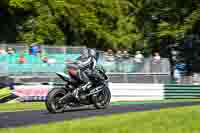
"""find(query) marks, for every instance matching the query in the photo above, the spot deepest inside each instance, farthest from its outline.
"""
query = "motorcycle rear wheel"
(52, 102)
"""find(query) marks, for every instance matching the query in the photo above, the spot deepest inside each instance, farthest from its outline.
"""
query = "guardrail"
(182, 91)
(119, 91)
(135, 92)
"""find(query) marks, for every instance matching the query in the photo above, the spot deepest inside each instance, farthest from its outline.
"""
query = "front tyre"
(52, 102)
(102, 99)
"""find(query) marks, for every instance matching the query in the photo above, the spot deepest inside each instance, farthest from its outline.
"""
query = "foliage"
(133, 24)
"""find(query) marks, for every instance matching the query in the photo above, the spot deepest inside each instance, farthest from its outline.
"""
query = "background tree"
(146, 25)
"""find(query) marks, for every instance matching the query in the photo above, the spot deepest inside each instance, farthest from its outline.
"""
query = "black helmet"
(92, 52)
(84, 52)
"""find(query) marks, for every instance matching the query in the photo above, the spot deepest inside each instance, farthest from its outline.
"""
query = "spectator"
(40, 49)
(119, 55)
(109, 55)
(125, 54)
(156, 66)
(10, 51)
(34, 49)
(42, 53)
(49, 60)
(138, 57)
(179, 72)
(177, 76)
(45, 59)
(156, 58)
(119, 59)
(22, 59)
(2, 51)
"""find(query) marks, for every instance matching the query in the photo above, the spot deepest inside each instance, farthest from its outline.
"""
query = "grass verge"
(40, 105)
(4, 93)
(156, 101)
(21, 106)
(176, 120)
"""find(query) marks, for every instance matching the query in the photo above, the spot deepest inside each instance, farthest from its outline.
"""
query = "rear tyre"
(102, 99)
(52, 102)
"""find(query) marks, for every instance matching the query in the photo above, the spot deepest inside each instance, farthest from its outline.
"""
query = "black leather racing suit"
(86, 65)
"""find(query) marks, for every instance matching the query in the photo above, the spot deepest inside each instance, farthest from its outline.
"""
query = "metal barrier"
(17, 47)
(127, 66)
(61, 50)
(47, 73)
(120, 69)
(136, 92)
(130, 66)
(20, 48)
(162, 78)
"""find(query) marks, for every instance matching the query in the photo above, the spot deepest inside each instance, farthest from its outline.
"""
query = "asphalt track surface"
(27, 118)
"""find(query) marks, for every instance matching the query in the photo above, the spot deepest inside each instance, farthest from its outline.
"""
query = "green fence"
(182, 91)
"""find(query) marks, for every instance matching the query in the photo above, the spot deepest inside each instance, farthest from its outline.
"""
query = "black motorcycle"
(71, 95)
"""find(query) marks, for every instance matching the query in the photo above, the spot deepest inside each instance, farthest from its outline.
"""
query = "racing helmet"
(84, 52)
(92, 52)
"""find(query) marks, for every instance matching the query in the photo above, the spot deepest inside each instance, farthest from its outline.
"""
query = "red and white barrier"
(119, 91)
(32, 92)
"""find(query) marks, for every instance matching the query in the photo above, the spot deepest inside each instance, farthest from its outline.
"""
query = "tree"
(132, 24)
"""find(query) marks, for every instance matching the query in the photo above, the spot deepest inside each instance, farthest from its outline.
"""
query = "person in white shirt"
(138, 57)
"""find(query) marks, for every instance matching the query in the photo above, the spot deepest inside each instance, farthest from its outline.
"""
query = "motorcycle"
(71, 95)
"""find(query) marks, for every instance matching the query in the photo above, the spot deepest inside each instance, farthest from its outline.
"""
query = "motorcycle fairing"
(63, 76)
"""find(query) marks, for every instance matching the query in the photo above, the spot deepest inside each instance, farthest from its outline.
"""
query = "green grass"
(176, 120)
(40, 105)
(4, 92)
(22, 106)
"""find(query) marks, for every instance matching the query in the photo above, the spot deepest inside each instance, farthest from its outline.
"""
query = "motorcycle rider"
(86, 64)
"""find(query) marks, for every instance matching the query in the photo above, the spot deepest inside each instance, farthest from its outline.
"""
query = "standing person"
(10, 51)
(125, 54)
(119, 59)
(179, 71)
(156, 58)
(125, 63)
(109, 55)
(22, 59)
(34, 49)
(3, 51)
(156, 63)
(109, 60)
(138, 57)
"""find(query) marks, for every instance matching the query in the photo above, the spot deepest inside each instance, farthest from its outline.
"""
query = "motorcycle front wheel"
(102, 99)
(52, 102)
